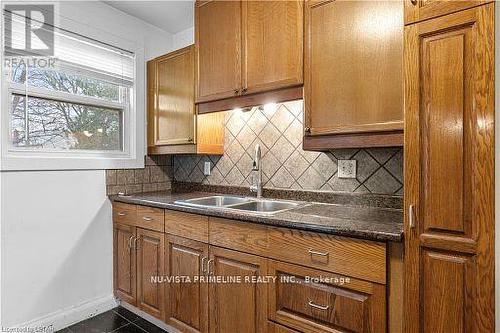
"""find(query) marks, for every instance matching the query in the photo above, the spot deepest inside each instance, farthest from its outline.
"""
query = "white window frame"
(133, 130)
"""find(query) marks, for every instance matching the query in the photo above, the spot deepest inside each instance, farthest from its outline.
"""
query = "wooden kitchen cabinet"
(272, 45)
(334, 304)
(218, 49)
(150, 247)
(449, 173)
(248, 47)
(419, 10)
(124, 263)
(187, 302)
(173, 125)
(174, 110)
(353, 77)
(237, 307)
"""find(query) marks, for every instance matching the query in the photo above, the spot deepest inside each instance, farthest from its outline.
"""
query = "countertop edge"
(265, 219)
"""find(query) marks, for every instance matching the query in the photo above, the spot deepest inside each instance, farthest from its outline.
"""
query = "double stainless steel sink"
(258, 206)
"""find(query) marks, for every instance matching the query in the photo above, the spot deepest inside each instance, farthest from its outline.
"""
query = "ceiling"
(171, 16)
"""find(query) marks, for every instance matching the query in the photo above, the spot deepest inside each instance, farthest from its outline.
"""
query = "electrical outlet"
(206, 169)
(346, 168)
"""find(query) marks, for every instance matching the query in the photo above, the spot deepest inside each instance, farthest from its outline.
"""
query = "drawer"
(332, 303)
(124, 213)
(187, 225)
(246, 237)
(150, 218)
(343, 255)
(276, 328)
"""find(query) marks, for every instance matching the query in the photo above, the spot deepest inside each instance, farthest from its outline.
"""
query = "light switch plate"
(206, 169)
(346, 168)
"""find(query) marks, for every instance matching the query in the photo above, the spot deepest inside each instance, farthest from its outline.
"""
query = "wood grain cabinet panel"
(419, 10)
(272, 45)
(124, 213)
(187, 301)
(353, 73)
(332, 304)
(124, 263)
(150, 218)
(218, 49)
(449, 173)
(237, 307)
(150, 247)
(173, 117)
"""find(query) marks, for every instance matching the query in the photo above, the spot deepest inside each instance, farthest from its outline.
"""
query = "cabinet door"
(174, 114)
(272, 44)
(124, 263)
(187, 300)
(218, 49)
(353, 67)
(449, 173)
(150, 272)
(237, 307)
(419, 10)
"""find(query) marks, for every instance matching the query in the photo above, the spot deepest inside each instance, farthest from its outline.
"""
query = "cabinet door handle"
(244, 90)
(411, 216)
(130, 243)
(136, 246)
(121, 214)
(203, 261)
(146, 218)
(323, 254)
(319, 307)
(236, 91)
(209, 271)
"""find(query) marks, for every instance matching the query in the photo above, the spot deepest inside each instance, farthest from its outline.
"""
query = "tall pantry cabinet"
(449, 166)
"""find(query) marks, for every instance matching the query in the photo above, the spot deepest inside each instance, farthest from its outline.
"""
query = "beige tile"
(110, 177)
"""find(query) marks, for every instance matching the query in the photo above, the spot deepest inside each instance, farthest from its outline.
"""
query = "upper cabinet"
(353, 81)
(272, 45)
(418, 10)
(247, 47)
(173, 125)
(173, 116)
(218, 41)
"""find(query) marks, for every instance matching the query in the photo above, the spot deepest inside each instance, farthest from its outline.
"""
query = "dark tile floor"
(117, 320)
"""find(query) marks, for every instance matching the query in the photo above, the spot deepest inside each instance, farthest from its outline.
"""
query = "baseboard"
(69, 316)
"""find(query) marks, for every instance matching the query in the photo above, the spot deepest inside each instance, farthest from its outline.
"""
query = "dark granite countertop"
(379, 224)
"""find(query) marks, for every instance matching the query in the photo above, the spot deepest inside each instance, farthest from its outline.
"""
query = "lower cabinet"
(138, 268)
(237, 306)
(124, 260)
(187, 300)
(150, 252)
(217, 284)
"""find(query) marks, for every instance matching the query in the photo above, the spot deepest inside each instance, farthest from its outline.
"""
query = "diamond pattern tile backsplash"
(278, 131)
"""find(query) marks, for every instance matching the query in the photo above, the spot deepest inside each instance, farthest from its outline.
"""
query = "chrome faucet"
(257, 167)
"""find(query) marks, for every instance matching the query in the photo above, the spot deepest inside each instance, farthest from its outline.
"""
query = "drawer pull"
(145, 218)
(324, 254)
(122, 214)
(319, 307)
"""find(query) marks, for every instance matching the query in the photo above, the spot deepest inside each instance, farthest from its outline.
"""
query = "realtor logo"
(29, 30)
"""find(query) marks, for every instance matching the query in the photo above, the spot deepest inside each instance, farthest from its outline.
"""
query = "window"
(77, 104)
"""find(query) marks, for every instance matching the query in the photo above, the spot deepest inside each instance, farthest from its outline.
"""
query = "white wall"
(183, 38)
(56, 232)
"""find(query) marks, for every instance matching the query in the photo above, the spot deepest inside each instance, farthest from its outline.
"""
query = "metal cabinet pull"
(121, 214)
(209, 271)
(319, 307)
(411, 216)
(130, 242)
(203, 269)
(244, 90)
(135, 242)
(236, 91)
(145, 218)
(312, 252)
